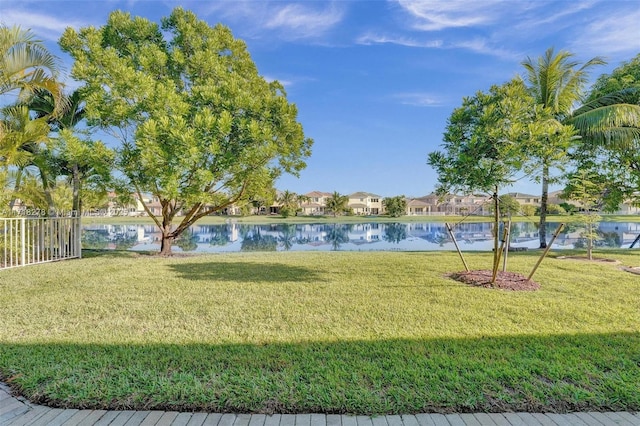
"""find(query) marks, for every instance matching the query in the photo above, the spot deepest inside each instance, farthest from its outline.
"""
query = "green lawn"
(320, 332)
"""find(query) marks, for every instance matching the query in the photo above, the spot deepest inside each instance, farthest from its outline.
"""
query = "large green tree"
(200, 128)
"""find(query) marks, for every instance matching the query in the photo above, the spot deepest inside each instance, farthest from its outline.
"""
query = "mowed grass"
(334, 332)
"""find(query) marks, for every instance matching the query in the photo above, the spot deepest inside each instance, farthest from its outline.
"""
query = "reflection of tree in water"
(438, 238)
(395, 232)
(255, 241)
(188, 241)
(287, 236)
(337, 234)
(125, 241)
(94, 240)
(219, 235)
(609, 239)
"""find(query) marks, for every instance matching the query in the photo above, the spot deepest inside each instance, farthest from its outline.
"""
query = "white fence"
(27, 241)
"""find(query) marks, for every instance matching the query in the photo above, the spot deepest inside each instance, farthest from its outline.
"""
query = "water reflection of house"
(626, 232)
(364, 233)
(313, 233)
(437, 232)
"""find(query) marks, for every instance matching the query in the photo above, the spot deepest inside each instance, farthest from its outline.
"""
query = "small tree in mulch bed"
(584, 188)
(483, 150)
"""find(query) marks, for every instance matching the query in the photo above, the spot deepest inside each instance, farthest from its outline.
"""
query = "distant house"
(628, 207)
(526, 199)
(316, 203)
(417, 207)
(452, 204)
(365, 203)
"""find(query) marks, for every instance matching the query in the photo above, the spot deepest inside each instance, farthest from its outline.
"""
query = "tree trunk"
(167, 238)
(77, 202)
(543, 206)
(76, 190)
(590, 240)
(165, 245)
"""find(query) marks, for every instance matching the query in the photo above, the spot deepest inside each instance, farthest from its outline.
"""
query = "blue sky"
(375, 81)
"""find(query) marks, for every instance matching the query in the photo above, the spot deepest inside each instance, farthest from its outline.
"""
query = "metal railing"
(27, 241)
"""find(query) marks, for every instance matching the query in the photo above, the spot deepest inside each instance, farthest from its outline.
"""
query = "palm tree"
(22, 145)
(556, 82)
(288, 203)
(610, 121)
(337, 203)
(74, 158)
(26, 65)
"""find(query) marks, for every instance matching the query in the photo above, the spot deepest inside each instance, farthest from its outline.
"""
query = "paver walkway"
(17, 411)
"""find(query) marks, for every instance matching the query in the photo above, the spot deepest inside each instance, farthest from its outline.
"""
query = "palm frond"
(615, 125)
(624, 96)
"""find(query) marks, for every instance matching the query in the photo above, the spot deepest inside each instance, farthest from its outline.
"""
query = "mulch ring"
(585, 258)
(504, 280)
(632, 269)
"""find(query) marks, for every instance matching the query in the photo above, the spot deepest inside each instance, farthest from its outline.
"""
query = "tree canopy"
(395, 206)
(200, 128)
(482, 149)
(483, 145)
(626, 76)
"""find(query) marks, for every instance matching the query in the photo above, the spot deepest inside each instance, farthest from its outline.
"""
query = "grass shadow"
(115, 254)
(245, 271)
(491, 374)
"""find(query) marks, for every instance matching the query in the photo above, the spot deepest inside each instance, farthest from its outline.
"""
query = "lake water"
(366, 236)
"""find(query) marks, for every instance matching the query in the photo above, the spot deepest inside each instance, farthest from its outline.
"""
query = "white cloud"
(290, 20)
(540, 16)
(481, 46)
(435, 15)
(369, 39)
(45, 26)
(612, 34)
(418, 99)
(285, 83)
(300, 21)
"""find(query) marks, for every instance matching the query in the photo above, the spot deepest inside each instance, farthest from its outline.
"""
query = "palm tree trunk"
(542, 231)
(16, 188)
(47, 192)
(76, 189)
